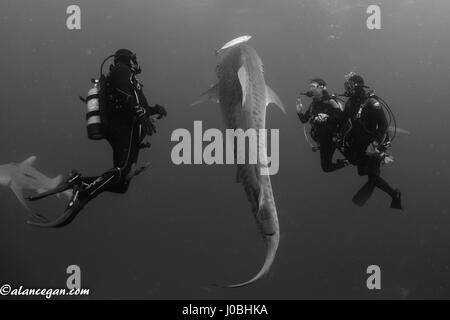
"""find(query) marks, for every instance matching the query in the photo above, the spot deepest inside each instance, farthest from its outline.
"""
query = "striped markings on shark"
(243, 96)
(20, 177)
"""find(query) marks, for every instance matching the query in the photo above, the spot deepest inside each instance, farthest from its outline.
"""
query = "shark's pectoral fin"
(393, 129)
(19, 194)
(211, 95)
(29, 162)
(272, 97)
(244, 81)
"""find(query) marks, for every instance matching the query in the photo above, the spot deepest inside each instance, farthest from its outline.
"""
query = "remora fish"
(243, 96)
(24, 176)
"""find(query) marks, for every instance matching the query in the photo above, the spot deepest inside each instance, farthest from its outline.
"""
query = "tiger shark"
(23, 176)
(243, 96)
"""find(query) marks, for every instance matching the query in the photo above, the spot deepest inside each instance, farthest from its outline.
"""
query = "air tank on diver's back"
(93, 117)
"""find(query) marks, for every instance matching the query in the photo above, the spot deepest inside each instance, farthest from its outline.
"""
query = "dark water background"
(179, 229)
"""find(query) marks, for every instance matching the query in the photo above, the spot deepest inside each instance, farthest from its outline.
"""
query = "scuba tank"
(98, 105)
(97, 109)
(93, 114)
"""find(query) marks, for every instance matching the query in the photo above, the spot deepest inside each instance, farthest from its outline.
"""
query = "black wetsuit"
(369, 124)
(125, 133)
(127, 122)
(325, 132)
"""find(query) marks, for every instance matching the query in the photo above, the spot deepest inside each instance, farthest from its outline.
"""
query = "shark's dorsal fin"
(212, 94)
(243, 79)
(272, 97)
(29, 162)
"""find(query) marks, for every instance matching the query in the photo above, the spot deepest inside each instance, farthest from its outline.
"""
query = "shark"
(243, 96)
(23, 176)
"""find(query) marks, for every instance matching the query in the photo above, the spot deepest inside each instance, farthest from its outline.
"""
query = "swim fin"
(363, 194)
(77, 203)
(71, 181)
(397, 200)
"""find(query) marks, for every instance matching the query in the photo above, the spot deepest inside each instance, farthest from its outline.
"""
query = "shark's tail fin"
(268, 224)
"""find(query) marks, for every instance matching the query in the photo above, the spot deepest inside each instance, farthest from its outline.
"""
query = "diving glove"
(372, 150)
(160, 111)
(343, 162)
(144, 120)
(321, 117)
(299, 105)
(386, 159)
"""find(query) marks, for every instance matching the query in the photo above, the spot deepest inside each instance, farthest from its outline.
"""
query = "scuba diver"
(368, 138)
(122, 116)
(325, 114)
